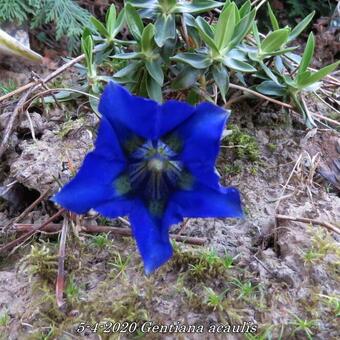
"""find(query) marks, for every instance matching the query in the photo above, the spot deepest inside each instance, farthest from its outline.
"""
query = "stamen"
(156, 164)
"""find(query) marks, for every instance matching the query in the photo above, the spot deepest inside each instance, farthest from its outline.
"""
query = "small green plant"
(198, 269)
(233, 169)
(271, 147)
(211, 256)
(7, 87)
(100, 241)
(119, 265)
(301, 325)
(72, 290)
(245, 289)
(4, 318)
(333, 302)
(265, 334)
(228, 261)
(214, 300)
(312, 256)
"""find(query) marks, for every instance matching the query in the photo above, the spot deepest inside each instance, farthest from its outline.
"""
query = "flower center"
(153, 170)
(156, 165)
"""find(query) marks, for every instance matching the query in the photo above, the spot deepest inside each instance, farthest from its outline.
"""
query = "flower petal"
(173, 113)
(152, 241)
(93, 183)
(201, 135)
(203, 201)
(92, 186)
(143, 117)
(107, 144)
(119, 206)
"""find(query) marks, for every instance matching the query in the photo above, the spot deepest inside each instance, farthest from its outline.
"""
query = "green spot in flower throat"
(122, 184)
(173, 142)
(132, 144)
(156, 207)
(186, 181)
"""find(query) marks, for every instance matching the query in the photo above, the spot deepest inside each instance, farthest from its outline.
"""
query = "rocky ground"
(276, 275)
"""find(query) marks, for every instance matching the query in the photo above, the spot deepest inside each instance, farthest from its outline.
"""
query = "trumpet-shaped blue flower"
(156, 164)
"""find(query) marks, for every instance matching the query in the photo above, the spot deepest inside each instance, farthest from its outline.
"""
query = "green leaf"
(155, 70)
(165, 28)
(245, 9)
(143, 4)
(197, 6)
(128, 70)
(279, 52)
(304, 81)
(272, 18)
(225, 26)
(147, 38)
(87, 47)
(130, 55)
(203, 26)
(300, 27)
(119, 22)
(99, 27)
(206, 33)
(221, 77)
(196, 60)
(226, 4)
(256, 35)
(134, 22)
(243, 28)
(308, 54)
(269, 73)
(154, 89)
(270, 88)
(186, 78)
(275, 40)
(94, 105)
(110, 20)
(238, 65)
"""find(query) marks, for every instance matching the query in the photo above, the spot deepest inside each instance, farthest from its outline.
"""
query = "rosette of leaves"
(289, 75)
(143, 72)
(163, 13)
(274, 44)
(107, 31)
(291, 80)
(220, 52)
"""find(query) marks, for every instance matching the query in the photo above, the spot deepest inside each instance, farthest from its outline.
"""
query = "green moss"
(271, 147)
(4, 318)
(233, 169)
(41, 262)
(7, 87)
(245, 145)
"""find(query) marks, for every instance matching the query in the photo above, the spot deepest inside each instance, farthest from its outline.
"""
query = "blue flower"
(156, 164)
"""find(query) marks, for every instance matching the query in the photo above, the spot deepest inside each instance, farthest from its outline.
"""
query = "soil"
(284, 276)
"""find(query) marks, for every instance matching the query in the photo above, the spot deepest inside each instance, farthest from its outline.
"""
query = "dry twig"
(7, 247)
(309, 221)
(60, 283)
(28, 209)
(105, 229)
